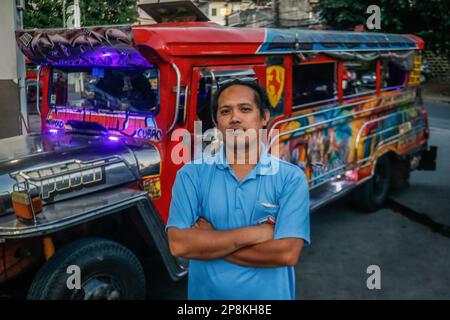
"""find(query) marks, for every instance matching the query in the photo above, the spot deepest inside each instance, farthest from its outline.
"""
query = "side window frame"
(335, 84)
(215, 75)
(363, 93)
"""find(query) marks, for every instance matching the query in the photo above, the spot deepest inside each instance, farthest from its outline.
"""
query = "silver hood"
(62, 166)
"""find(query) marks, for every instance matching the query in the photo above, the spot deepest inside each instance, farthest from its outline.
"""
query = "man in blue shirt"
(242, 224)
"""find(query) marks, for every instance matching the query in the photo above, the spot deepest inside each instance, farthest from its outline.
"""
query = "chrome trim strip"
(186, 95)
(371, 158)
(38, 78)
(358, 136)
(395, 139)
(326, 121)
(331, 171)
(393, 87)
(299, 106)
(335, 108)
(360, 94)
(177, 99)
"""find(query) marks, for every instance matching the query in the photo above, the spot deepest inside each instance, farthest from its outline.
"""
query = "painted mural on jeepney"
(327, 149)
(130, 125)
(275, 82)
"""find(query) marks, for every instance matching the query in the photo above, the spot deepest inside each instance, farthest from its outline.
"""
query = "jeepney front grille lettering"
(78, 176)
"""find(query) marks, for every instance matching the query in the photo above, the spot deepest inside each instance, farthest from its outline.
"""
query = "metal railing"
(304, 128)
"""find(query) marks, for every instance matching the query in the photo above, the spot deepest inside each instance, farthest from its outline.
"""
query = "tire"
(108, 270)
(371, 196)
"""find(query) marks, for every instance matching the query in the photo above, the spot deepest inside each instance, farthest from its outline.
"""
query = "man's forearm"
(270, 254)
(211, 244)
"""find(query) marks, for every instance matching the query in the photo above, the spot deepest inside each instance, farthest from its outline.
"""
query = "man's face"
(237, 112)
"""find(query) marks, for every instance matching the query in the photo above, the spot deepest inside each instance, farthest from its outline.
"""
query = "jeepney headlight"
(148, 161)
(26, 204)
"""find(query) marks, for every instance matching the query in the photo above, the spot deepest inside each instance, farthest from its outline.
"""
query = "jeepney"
(92, 190)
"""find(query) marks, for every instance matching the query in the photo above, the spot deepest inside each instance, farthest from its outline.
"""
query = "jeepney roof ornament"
(109, 46)
(304, 40)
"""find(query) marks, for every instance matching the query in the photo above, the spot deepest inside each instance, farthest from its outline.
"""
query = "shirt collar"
(263, 167)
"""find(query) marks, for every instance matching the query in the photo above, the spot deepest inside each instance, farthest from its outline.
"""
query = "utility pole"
(77, 15)
(64, 12)
(74, 16)
(276, 11)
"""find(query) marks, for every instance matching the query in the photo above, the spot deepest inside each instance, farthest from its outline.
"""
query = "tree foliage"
(49, 13)
(428, 19)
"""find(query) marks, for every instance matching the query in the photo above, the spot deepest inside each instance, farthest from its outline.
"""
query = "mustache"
(236, 127)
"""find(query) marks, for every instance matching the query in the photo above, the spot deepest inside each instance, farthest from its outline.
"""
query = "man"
(241, 223)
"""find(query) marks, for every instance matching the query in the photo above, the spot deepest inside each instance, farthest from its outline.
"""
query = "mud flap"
(428, 159)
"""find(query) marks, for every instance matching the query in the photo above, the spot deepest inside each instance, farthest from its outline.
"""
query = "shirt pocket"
(265, 211)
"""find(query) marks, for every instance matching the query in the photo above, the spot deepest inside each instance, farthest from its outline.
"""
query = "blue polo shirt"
(210, 189)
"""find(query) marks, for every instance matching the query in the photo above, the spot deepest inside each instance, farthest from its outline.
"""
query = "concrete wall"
(9, 92)
(439, 65)
(220, 7)
(144, 18)
(9, 109)
(295, 9)
(292, 13)
(7, 40)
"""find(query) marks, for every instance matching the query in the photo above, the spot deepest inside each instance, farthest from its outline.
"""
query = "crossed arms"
(252, 246)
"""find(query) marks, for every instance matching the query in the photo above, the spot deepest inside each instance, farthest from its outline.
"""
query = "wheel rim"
(99, 287)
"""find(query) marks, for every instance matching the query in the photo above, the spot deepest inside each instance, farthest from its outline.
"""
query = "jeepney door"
(207, 84)
(204, 86)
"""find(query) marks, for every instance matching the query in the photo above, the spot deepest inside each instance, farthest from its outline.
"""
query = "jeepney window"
(359, 77)
(393, 74)
(110, 89)
(313, 83)
(204, 99)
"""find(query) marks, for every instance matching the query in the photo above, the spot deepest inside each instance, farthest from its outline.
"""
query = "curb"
(437, 99)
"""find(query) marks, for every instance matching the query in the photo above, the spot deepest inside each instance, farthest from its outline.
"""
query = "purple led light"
(113, 138)
(53, 131)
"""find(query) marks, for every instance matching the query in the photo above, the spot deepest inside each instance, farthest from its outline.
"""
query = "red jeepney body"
(338, 138)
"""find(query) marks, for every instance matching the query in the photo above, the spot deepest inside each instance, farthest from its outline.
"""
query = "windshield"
(106, 89)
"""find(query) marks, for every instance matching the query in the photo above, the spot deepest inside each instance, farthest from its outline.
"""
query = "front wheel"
(372, 194)
(107, 271)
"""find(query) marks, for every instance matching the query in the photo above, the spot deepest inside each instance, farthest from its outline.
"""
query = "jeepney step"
(330, 191)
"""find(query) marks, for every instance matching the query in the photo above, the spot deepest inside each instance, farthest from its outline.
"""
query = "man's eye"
(246, 109)
(224, 111)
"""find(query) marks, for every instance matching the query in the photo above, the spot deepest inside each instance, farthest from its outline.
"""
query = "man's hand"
(203, 224)
(266, 230)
